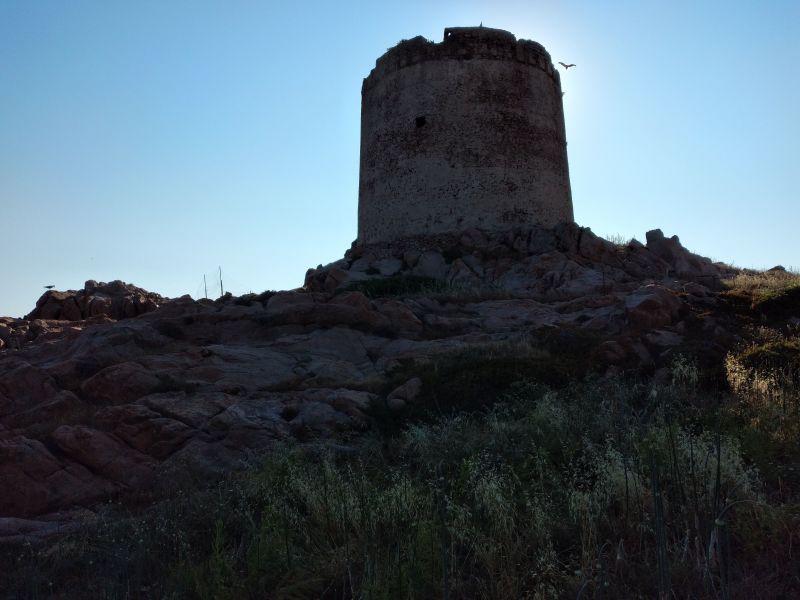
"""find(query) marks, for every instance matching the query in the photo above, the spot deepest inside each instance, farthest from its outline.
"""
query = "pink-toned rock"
(388, 267)
(356, 300)
(696, 289)
(473, 239)
(42, 416)
(323, 411)
(610, 352)
(625, 352)
(334, 279)
(104, 455)
(352, 309)
(461, 274)
(41, 330)
(663, 339)
(595, 248)
(193, 410)
(407, 393)
(49, 310)
(645, 359)
(98, 305)
(116, 299)
(431, 264)
(411, 258)
(70, 310)
(441, 325)
(23, 386)
(282, 300)
(652, 306)
(360, 264)
(144, 429)
(121, 383)
(33, 481)
(128, 308)
(403, 320)
(512, 314)
(682, 262)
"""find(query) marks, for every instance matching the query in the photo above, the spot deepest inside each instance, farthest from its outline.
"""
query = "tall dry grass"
(761, 285)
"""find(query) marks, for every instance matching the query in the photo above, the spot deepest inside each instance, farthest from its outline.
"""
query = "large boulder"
(34, 481)
(117, 300)
(682, 263)
(652, 306)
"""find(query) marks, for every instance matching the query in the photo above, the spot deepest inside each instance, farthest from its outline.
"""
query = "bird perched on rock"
(566, 66)
(49, 287)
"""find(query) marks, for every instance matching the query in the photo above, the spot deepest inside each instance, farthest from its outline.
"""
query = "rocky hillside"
(111, 391)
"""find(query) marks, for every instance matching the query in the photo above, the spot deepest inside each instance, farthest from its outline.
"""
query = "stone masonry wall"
(464, 133)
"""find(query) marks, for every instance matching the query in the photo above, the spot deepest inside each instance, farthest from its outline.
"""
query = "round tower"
(465, 133)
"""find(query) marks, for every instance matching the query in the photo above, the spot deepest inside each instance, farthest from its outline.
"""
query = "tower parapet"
(463, 43)
(468, 132)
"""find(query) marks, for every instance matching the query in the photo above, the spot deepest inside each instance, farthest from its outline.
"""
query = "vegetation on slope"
(773, 294)
(600, 488)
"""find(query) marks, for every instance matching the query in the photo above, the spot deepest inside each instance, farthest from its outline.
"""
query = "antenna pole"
(205, 285)
(221, 290)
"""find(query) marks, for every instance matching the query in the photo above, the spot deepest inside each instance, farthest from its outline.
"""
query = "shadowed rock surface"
(153, 393)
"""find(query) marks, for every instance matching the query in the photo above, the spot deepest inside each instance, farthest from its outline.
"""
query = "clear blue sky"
(152, 141)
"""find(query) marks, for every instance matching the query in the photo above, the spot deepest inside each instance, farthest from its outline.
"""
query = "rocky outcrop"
(682, 263)
(547, 264)
(116, 300)
(66, 314)
(106, 405)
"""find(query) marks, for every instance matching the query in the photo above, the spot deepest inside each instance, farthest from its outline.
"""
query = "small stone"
(388, 266)
(431, 264)
(409, 391)
(396, 404)
(663, 339)
(410, 258)
(362, 264)
(473, 239)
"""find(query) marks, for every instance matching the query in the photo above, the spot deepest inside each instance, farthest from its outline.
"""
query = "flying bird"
(49, 287)
(566, 66)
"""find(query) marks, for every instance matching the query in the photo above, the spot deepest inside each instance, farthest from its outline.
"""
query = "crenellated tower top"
(463, 43)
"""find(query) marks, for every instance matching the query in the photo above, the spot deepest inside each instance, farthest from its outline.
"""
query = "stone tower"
(465, 133)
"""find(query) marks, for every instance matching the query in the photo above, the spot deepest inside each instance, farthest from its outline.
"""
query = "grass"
(764, 375)
(475, 378)
(619, 240)
(763, 283)
(613, 489)
(774, 294)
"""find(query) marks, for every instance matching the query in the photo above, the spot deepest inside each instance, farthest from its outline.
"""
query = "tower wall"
(465, 133)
